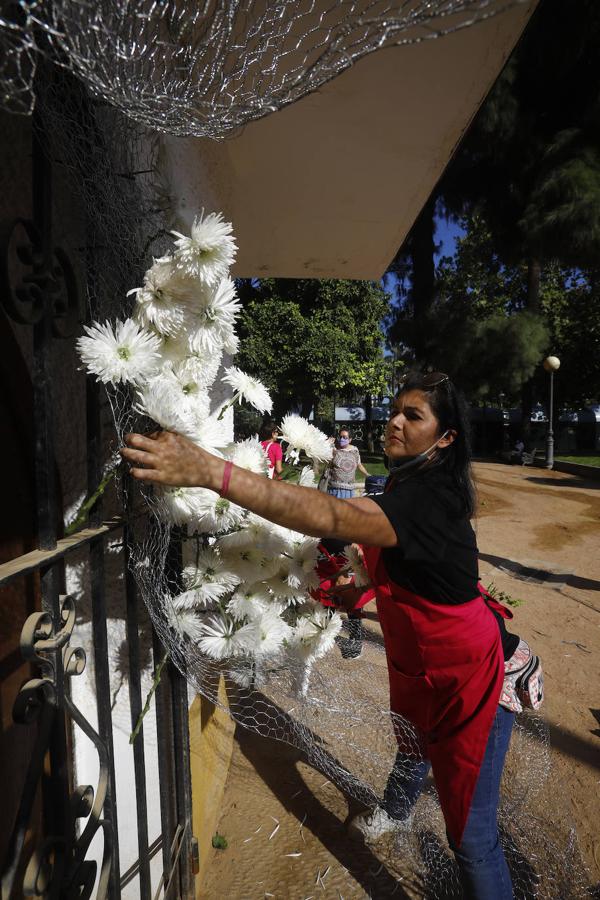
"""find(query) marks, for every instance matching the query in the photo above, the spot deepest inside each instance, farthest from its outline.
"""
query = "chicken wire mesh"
(207, 68)
(335, 710)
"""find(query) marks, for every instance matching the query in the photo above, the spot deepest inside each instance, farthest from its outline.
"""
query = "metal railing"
(45, 298)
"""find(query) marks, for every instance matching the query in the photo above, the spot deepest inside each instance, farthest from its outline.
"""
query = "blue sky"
(446, 234)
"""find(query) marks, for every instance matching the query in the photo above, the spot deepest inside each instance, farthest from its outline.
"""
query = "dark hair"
(450, 409)
(266, 431)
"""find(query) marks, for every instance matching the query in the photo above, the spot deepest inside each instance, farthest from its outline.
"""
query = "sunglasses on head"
(430, 380)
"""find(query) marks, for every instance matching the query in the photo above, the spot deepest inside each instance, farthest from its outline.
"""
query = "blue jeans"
(342, 493)
(483, 871)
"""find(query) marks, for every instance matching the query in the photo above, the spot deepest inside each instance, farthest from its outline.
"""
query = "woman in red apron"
(445, 643)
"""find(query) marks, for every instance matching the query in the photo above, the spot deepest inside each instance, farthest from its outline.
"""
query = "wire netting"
(335, 710)
(207, 68)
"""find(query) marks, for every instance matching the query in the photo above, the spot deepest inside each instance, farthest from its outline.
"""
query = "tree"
(309, 339)
(529, 166)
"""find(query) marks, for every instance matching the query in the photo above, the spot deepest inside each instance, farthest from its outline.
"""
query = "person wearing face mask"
(342, 468)
(445, 640)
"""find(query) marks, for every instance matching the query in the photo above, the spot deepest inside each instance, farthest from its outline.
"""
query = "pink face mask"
(343, 442)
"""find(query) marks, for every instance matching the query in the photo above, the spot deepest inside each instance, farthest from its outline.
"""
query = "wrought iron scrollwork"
(58, 867)
(32, 281)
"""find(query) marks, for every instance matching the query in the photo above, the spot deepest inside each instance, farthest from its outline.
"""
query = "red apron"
(327, 569)
(446, 669)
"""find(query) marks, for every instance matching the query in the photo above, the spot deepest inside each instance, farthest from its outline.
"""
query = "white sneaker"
(374, 823)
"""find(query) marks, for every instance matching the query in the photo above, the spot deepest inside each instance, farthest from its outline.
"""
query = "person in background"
(269, 439)
(342, 468)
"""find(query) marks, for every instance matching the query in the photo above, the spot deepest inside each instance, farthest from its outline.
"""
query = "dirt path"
(538, 534)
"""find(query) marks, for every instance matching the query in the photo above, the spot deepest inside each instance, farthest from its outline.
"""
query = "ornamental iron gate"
(39, 290)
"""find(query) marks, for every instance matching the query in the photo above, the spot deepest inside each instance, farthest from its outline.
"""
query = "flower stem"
(226, 406)
(90, 500)
(151, 692)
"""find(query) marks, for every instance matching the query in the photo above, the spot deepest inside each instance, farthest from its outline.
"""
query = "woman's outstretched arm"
(170, 459)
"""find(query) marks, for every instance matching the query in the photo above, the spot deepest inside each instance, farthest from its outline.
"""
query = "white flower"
(198, 371)
(303, 562)
(167, 297)
(257, 533)
(184, 621)
(126, 353)
(177, 504)
(214, 322)
(222, 637)
(307, 477)
(315, 633)
(249, 601)
(355, 557)
(213, 514)
(165, 400)
(248, 388)
(286, 593)
(269, 631)
(301, 435)
(209, 251)
(251, 564)
(248, 455)
(207, 581)
(211, 434)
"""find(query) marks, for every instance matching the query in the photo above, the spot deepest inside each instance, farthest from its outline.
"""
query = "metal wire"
(207, 68)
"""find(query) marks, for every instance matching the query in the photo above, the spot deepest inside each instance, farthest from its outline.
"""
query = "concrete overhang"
(330, 186)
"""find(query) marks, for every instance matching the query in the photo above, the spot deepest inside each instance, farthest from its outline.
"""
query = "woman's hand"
(167, 458)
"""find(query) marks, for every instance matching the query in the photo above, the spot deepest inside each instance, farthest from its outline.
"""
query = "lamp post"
(551, 365)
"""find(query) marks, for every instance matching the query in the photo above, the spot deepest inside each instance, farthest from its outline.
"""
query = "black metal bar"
(166, 760)
(100, 636)
(103, 700)
(135, 702)
(56, 784)
(183, 779)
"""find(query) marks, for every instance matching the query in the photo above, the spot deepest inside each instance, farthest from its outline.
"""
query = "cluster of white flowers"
(246, 595)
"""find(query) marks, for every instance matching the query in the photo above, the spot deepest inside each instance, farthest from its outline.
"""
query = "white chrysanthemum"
(215, 514)
(125, 353)
(303, 562)
(301, 435)
(251, 564)
(314, 634)
(248, 455)
(283, 591)
(198, 371)
(164, 399)
(210, 249)
(167, 297)
(173, 350)
(207, 581)
(269, 633)
(211, 434)
(248, 388)
(214, 322)
(249, 601)
(177, 505)
(184, 621)
(307, 477)
(355, 557)
(222, 637)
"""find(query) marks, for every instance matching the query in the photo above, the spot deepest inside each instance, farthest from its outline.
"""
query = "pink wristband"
(226, 478)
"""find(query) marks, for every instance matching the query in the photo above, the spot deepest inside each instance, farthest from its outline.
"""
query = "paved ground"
(538, 534)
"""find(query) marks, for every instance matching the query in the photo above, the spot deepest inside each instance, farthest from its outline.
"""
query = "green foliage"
(308, 339)
(502, 596)
(219, 842)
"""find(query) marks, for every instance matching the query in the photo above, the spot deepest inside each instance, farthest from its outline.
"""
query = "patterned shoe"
(351, 647)
(513, 669)
(374, 823)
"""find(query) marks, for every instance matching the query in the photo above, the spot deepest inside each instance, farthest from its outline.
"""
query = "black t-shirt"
(436, 556)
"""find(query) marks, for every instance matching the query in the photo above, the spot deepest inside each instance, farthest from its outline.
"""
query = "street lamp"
(551, 365)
